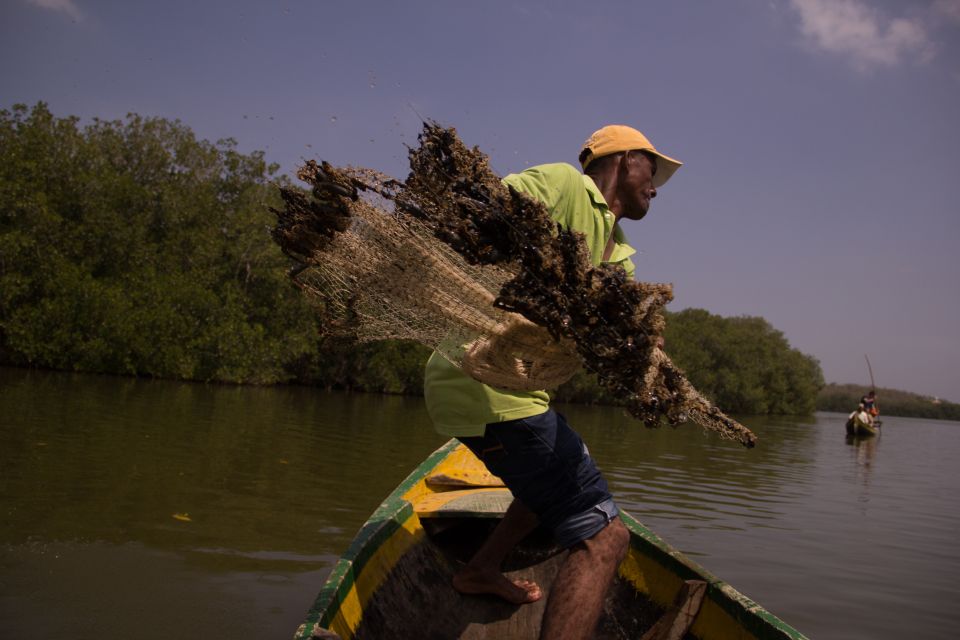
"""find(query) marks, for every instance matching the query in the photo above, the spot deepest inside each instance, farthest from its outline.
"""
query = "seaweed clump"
(510, 263)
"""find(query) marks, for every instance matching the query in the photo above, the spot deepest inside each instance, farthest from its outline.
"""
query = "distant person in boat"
(862, 415)
(869, 403)
(519, 437)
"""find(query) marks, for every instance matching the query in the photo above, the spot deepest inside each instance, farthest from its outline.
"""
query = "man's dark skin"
(626, 181)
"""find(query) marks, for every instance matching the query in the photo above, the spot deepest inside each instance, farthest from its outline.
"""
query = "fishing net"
(456, 260)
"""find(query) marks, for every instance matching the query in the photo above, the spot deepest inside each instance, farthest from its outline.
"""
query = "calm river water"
(146, 509)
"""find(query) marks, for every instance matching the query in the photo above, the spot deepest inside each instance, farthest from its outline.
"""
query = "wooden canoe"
(394, 581)
(857, 427)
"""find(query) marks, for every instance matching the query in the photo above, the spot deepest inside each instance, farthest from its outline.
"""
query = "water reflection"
(272, 483)
(695, 478)
(276, 481)
(863, 451)
(112, 459)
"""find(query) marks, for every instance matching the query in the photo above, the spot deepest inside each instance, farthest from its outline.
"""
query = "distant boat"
(859, 427)
(394, 581)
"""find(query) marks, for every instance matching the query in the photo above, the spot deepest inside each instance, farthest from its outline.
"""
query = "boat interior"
(419, 596)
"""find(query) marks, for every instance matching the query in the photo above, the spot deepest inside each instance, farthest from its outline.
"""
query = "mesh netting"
(456, 260)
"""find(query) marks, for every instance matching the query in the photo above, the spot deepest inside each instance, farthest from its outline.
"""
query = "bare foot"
(473, 581)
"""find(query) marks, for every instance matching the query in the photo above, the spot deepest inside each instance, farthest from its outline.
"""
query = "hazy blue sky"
(820, 137)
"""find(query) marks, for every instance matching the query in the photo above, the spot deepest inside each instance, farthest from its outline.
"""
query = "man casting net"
(457, 260)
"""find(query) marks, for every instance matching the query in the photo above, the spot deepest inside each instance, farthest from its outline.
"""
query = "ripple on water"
(842, 540)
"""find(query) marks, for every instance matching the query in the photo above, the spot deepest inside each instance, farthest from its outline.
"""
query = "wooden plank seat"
(484, 502)
(464, 478)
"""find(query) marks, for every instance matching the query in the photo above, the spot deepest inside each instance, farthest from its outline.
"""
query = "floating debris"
(453, 258)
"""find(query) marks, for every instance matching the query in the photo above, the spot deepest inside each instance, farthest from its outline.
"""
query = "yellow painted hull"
(858, 428)
(394, 580)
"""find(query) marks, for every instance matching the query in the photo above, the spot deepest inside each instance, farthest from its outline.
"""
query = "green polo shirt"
(458, 404)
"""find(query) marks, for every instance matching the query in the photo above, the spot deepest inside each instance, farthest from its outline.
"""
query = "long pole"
(873, 387)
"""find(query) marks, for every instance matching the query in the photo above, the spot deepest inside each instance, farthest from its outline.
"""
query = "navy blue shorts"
(547, 467)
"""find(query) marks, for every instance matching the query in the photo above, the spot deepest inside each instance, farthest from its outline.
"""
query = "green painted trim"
(371, 537)
(386, 520)
(394, 511)
(751, 615)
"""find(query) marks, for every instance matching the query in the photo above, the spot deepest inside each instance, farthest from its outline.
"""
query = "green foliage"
(743, 363)
(391, 366)
(132, 247)
(844, 398)
(582, 388)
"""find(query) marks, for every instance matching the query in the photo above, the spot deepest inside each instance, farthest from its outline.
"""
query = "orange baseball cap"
(614, 138)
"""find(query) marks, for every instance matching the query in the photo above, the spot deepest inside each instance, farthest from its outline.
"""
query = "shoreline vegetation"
(131, 247)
